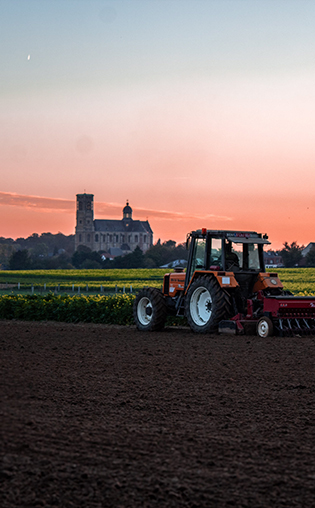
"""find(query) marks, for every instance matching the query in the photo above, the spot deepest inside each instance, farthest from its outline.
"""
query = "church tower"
(127, 213)
(85, 217)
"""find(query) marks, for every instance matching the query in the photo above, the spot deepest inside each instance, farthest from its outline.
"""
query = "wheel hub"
(201, 306)
(264, 327)
(144, 311)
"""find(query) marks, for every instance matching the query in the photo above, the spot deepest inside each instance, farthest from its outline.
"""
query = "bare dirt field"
(100, 416)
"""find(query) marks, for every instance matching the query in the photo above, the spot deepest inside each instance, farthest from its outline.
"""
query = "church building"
(106, 235)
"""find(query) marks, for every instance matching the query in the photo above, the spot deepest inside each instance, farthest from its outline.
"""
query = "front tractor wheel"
(264, 327)
(149, 310)
(206, 304)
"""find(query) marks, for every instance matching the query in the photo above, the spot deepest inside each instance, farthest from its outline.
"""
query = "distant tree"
(20, 243)
(149, 263)
(291, 254)
(136, 258)
(163, 254)
(64, 262)
(310, 257)
(81, 257)
(40, 249)
(169, 244)
(133, 260)
(6, 251)
(34, 237)
(90, 264)
(20, 260)
(6, 240)
(181, 251)
(160, 253)
(61, 262)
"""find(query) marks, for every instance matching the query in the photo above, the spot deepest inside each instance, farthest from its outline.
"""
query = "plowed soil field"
(100, 416)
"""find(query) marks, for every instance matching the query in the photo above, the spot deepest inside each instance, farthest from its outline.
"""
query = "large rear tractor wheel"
(206, 304)
(149, 310)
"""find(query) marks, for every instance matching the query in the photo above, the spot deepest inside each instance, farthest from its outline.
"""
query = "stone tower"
(85, 216)
(127, 214)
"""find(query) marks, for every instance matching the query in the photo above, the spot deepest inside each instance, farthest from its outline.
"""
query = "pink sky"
(237, 158)
(201, 116)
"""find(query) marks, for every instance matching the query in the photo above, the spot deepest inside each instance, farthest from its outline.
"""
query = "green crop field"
(58, 305)
(108, 279)
(301, 281)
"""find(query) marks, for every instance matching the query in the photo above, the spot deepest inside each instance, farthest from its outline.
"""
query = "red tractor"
(225, 288)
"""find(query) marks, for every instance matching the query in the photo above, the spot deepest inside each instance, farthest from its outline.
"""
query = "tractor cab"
(226, 251)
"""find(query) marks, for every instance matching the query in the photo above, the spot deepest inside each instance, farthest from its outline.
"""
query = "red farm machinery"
(225, 288)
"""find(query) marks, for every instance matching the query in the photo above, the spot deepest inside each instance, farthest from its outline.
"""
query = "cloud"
(36, 202)
(102, 210)
(167, 215)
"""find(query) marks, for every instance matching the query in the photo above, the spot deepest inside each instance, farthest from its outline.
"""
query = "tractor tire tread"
(159, 309)
(220, 300)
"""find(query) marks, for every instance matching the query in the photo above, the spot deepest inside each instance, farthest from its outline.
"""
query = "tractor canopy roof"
(232, 236)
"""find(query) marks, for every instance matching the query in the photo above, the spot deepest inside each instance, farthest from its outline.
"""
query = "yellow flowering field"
(300, 281)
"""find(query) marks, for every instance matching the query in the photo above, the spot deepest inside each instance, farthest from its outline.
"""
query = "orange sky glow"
(54, 215)
(214, 129)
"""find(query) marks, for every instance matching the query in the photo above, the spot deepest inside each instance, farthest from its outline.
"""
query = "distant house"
(176, 263)
(116, 237)
(107, 255)
(308, 248)
(273, 259)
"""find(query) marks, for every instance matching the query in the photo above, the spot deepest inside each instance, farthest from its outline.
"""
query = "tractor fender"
(267, 281)
(226, 280)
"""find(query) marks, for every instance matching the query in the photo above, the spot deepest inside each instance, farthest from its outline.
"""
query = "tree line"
(56, 251)
(292, 255)
(49, 251)
(46, 251)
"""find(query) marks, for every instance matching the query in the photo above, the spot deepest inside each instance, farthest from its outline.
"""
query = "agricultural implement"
(226, 289)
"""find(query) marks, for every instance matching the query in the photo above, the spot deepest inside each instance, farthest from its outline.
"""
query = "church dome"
(127, 211)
